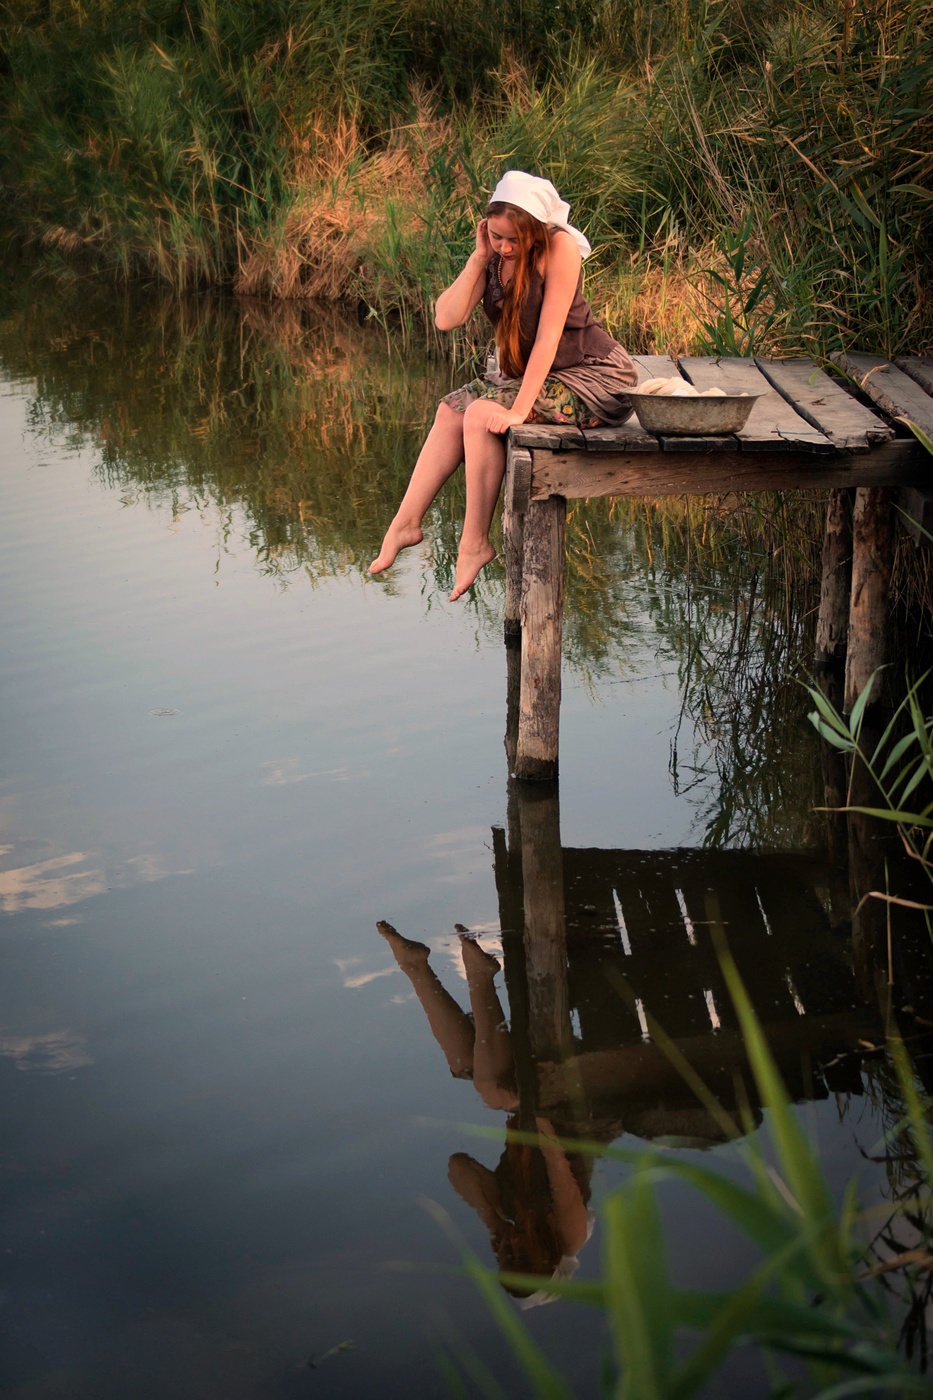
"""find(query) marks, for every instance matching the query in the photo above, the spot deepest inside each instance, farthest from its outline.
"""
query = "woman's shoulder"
(563, 253)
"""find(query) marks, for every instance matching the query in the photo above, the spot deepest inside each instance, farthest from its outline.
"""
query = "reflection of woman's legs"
(449, 1024)
(438, 459)
(484, 458)
(493, 1070)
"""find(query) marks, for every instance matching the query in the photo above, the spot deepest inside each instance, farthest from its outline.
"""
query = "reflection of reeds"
(298, 427)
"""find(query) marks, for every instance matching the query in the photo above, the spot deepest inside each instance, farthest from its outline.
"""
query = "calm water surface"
(226, 1096)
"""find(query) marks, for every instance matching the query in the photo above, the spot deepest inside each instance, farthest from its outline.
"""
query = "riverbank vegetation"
(775, 155)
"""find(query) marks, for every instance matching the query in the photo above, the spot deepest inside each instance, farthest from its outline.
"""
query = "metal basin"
(662, 414)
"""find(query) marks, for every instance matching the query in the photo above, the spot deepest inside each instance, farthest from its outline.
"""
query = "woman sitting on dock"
(553, 363)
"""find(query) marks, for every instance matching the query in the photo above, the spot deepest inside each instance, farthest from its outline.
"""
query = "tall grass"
(306, 149)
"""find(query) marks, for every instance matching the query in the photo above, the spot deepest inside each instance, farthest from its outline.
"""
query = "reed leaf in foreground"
(809, 1306)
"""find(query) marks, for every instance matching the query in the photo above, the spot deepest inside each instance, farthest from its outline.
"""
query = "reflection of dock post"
(866, 840)
(545, 923)
(835, 778)
(542, 618)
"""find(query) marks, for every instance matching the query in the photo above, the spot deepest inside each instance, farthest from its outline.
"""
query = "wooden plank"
(848, 424)
(555, 437)
(552, 435)
(916, 514)
(872, 558)
(680, 443)
(574, 475)
(920, 369)
(542, 631)
(832, 625)
(889, 387)
(772, 425)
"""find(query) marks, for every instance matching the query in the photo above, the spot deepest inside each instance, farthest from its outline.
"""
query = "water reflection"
(612, 978)
(291, 431)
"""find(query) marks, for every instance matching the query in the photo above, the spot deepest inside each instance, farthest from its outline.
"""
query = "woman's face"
(502, 236)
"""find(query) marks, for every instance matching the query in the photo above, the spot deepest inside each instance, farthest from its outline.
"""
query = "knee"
(477, 414)
(447, 417)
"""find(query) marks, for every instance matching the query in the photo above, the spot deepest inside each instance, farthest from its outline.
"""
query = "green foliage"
(815, 1310)
(900, 763)
(792, 139)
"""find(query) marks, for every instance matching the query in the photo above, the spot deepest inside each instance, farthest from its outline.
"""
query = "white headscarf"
(538, 197)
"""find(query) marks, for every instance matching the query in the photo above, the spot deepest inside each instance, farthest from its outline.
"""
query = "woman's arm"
(455, 306)
(560, 285)
(570, 1215)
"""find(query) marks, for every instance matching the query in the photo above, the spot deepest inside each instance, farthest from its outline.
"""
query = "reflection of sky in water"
(213, 787)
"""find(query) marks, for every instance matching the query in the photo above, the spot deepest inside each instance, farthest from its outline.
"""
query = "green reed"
(835, 1297)
(305, 149)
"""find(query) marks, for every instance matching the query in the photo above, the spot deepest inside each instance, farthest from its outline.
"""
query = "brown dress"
(587, 360)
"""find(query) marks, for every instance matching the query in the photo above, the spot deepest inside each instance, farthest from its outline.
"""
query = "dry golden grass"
(322, 248)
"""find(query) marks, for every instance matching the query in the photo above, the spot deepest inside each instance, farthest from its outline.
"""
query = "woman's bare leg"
(437, 461)
(449, 1024)
(484, 458)
(493, 1068)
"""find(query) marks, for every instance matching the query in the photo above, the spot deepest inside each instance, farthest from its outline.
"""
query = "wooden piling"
(872, 559)
(833, 622)
(542, 614)
(515, 504)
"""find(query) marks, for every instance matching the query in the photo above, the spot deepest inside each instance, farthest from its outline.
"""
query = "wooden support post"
(542, 618)
(515, 504)
(833, 623)
(872, 558)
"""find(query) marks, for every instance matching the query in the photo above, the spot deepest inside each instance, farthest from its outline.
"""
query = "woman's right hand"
(483, 245)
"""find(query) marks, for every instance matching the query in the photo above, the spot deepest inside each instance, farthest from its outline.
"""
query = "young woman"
(555, 364)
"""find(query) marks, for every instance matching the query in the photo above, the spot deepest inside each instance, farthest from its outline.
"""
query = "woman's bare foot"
(474, 953)
(398, 537)
(469, 564)
(407, 951)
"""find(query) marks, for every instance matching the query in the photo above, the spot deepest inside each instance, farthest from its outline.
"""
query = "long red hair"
(531, 239)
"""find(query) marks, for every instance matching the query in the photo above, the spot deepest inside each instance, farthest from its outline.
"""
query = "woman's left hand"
(501, 419)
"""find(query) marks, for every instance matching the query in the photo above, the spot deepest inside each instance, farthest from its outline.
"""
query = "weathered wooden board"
(772, 425)
(655, 367)
(848, 424)
(889, 387)
(920, 369)
(577, 474)
(630, 435)
(680, 443)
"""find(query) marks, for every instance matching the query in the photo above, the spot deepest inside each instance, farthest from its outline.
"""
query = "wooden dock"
(805, 432)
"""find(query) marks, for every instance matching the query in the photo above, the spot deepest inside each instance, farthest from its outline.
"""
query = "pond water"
(239, 775)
